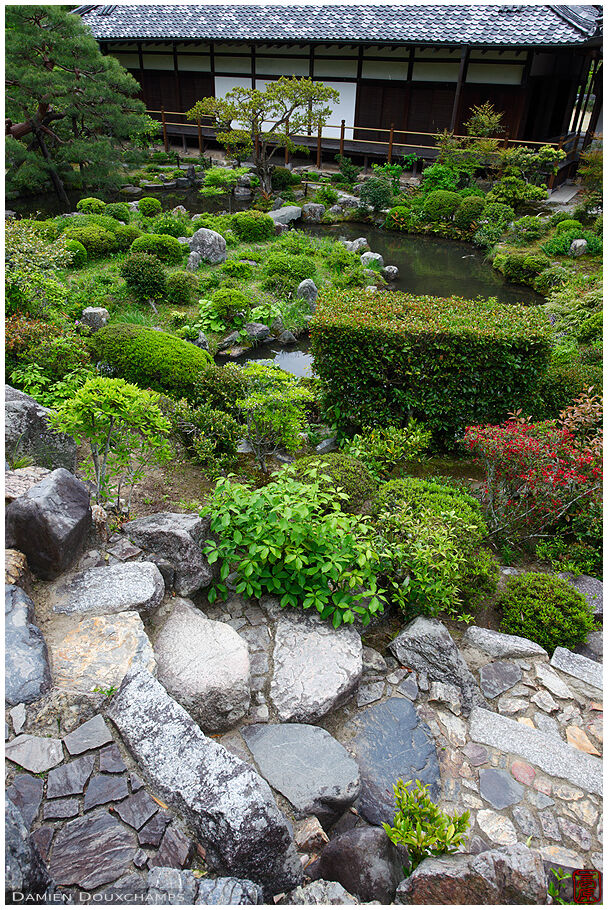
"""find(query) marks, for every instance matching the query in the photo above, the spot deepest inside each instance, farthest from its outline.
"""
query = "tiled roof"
(468, 24)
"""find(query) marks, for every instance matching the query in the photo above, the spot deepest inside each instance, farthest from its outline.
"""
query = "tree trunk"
(55, 178)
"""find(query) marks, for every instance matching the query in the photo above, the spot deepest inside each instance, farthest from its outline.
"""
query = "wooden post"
(164, 122)
(552, 177)
(342, 129)
(200, 138)
(506, 140)
(287, 147)
(391, 136)
(319, 136)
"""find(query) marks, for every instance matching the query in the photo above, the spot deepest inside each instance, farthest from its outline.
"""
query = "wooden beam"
(462, 75)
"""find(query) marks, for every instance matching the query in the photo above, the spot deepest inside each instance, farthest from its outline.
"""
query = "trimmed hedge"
(440, 205)
(91, 205)
(96, 240)
(252, 226)
(469, 212)
(151, 359)
(163, 246)
(78, 251)
(447, 362)
(149, 206)
(119, 210)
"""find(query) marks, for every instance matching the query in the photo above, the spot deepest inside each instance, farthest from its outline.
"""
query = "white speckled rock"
(316, 667)
(497, 644)
(111, 589)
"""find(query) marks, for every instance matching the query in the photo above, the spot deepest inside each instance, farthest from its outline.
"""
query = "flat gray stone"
(27, 674)
(498, 677)
(409, 687)
(578, 666)
(307, 766)
(558, 759)
(171, 886)
(92, 851)
(152, 832)
(498, 788)
(60, 808)
(230, 808)
(319, 892)
(497, 644)
(137, 809)
(316, 667)
(34, 753)
(231, 891)
(525, 821)
(110, 760)
(369, 693)
(90, 735)
(389, 741)
(286, 214)
(70, 779)
(105, 788)
(25, 872)
(122, 587)
(26, 793)
(173, 851)
(18, 716)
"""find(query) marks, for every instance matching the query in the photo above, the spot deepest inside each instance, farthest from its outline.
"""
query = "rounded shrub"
(229, 301)
(498, 213)
(150, 359)
(252, 226)
(118, 210)
(144, 275)
(569, 224)
(163, 246)
(591, 329)
(326, 195)
(90, 205)
(96, 240)
(78, 251)
(282, 178)
(561, 384)
(521, 268)
(440, 205)
(528, 229)
(377, 192)
(174, 225)
(468, 212)
(336, 470)
(125, 235)
(180, 287)
(545, 609)
(148, 206)
(236, 269)
(219, 387)
(284, 271)
(398, 219)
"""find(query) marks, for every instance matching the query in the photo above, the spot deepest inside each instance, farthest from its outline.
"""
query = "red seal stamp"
(587, 886)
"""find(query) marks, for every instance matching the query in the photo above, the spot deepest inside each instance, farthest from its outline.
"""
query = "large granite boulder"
(229, 807)
(498, 644)
(507, 875)
(26, 667)
(21, 480)
(313, 212)
(307, 766)
(316, 667)
(204, 665)
(365, 862)
(179, 539)
(426, 645)
(286, 214)
(308, 291)
(208, 245)
(27, 432)
(26, 877)
(111, 589)
(95, 317)
(368, 258)
(50, 523)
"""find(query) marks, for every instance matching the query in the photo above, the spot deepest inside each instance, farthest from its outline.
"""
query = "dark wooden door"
(508, 99)
(378, 105)
(430, 110)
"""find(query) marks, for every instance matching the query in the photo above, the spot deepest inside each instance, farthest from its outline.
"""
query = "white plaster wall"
(158, 62)
(344, 110)
(224, 84)
(190, 63)
(494, 74)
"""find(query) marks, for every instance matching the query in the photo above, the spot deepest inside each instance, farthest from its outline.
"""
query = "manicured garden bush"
(398, 219)
(559, 244)
(125, 235)
(326, 196)
(150, 359)
(90, 205)
(78, 251)
(220, 387)
(469, 212)
(163, 246)
(568, 224)
(377, 192)
(96, 241)
(144, 275)
(591, 329)
(236, 269)
(528, 229)
(118, 210)
(180, 287)
(386, 358)
(229, 301)
(149, 207)
(440, 205)
(173, 225)
(439, 177)
(545, 609)
(498, 213)
(334, 471)
(284, 271)
(563, 382)
(252, 226)
(521, 268)
(282, 178)
(211, 436)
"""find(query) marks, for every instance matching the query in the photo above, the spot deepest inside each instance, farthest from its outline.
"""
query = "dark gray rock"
(60, 808)
(526, 822)
(287, 338)
(34, 753)
(319, 892)
(137, 809)
(90, 735)
(105, 788)
(131, 888)
(230, 891)
(229, 807)
(70, 779)
(27, 674)
(50, 523)
(27, 432)
(208, 245)
(111, 589)
(313, 212)
(173, 851)
(92, 851)
(390, 741)
(365, 862)
(24, 871)
(178, 539)
(498, 788)
(593, 648)
(498, 677)
(307, 766)
(390, 272)
(110, 760)
(152, 832)
(286, 214)
(409, 687)
(257, 331)
(426, 645)
(41, 838)
(26, 793)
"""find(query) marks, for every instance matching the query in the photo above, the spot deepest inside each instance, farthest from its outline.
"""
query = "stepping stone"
(152, 832)
(100, 651)
(229, 807)
(136, 782)
(389, 741)
(497, 644)
(137, 809)
(173, 851)
(316, 667)
(369, 694)
(409, 687)
(555, 758)
(34, 753)
(110, 760)
(26, 793)
(307, 766)
(552, 682)
(578, 666)
(70, 779)
(205, 666)
(499, 789)
(105, 788)
(92, 851)
(111, 589)
(499, 677)
(27, 675)
(90, 735)
(60, 808)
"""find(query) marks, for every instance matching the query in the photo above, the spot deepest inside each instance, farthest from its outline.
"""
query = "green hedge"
(447, 362)
(163, 246)
(151, 359)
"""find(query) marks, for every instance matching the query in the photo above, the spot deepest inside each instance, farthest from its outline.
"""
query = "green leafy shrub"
(90, 205)
(163, 246)
(253, 226)
(528, 229)
(227, 302)
(591, 329)
(148, 206)
(296, 242)
(336, 471)
(119, 210)
(180, 287)
(211, 436)
(290, 540)
(125, 235)
(144, 275)
(78, 251)
(468, 212)
(220, 387)
(325, 195)
(438, 177)
(282, 178)
(422, 827)
(559, 244)
(559, 217)
(96, 241)
(521, 268)
(398, 219)
(440, 205)
(151, 359)
(516, 192)
(173, 225)
(562, 383)
(283, 271)
(568, 224)
(598, 226)
(546, 610)
(552, 277)
(377, 192)
(348, 170)
(498, 213)
(442, 361)
(237, 269)
(384, 448)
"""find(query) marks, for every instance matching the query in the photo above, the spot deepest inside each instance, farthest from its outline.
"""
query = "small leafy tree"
(484, 121)
(30, 261)
(125, 429)
(267, 121)
(421, 826)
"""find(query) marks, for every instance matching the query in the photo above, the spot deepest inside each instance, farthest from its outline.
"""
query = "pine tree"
(69, 108)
